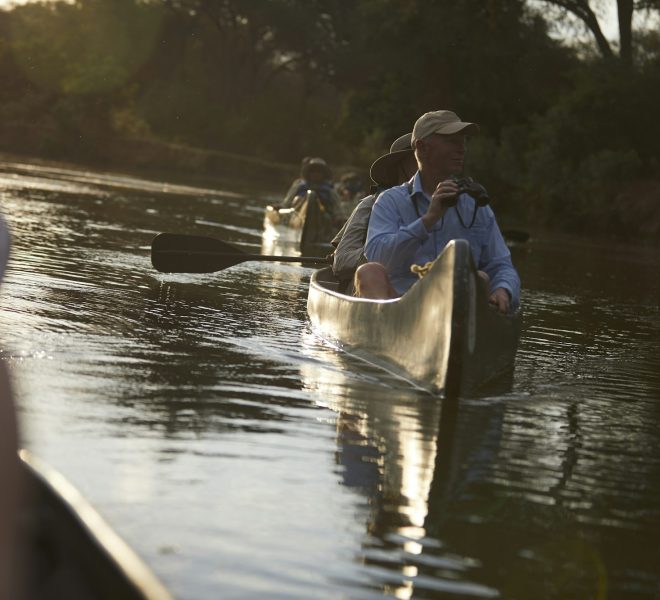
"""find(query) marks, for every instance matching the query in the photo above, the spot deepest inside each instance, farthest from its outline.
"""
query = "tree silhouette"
(584, 10)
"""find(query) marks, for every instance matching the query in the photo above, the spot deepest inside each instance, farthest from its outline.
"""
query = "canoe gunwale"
(110, 567)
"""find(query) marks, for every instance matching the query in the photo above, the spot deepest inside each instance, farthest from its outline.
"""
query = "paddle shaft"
(243, 257)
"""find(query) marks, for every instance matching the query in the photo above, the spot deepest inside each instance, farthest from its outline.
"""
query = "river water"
(243, 457)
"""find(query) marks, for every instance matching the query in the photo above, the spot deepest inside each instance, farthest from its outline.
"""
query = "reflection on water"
(242, 456)
(481, 498)
(400, 451)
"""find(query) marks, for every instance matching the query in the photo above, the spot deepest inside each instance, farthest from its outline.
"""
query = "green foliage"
(87, 47)
(491, 62)
(596, 140)
(563, 135)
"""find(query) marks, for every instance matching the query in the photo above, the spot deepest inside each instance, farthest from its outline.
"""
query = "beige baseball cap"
(444, 122)
(383, 170)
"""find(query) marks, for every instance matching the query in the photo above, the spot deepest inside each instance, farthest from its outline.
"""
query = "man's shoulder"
(393, 194)
(366, 202)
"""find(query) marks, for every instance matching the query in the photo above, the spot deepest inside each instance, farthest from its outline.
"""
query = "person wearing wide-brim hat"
(387, 170)
(391, 169)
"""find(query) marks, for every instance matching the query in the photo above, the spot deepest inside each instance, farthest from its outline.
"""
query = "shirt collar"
(417, 185)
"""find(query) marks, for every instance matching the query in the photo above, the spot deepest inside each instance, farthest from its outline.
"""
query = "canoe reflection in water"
(447, 505)
(400, 449)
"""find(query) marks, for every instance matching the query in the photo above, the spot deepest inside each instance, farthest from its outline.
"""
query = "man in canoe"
(411, 223)
(315, 175)
(393, 168)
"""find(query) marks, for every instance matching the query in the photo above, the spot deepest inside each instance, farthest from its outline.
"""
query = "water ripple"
(301, 467)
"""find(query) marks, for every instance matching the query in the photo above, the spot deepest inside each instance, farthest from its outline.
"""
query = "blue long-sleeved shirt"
(397, 237)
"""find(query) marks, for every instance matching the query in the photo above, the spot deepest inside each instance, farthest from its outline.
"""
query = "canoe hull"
(441, 334)
(68, 551)
(308, 226)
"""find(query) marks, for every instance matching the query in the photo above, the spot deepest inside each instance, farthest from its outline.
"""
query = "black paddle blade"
(177, 253)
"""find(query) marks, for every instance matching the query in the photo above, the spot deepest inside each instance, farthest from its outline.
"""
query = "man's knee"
(371, 273)
(372, 281)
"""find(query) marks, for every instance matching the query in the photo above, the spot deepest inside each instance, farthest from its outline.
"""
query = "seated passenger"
(316, 176)
(390, 169)
(412, 223)
(295, 183)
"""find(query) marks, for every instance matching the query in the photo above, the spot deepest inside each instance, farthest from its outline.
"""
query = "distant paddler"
(316, 176)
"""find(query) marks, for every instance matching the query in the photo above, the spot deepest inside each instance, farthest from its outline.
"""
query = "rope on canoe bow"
(422, 270)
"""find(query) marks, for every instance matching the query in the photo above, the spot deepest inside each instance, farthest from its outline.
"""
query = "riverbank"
(150, 158)
(179, 162)
(632, 214)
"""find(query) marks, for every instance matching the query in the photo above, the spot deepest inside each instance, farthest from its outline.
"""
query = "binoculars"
(469, 186)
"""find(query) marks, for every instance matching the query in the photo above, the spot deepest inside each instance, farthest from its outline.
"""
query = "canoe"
(308, 226)
(441, 335)
(66, 550)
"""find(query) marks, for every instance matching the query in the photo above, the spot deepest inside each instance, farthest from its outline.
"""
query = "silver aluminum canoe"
(441, 335)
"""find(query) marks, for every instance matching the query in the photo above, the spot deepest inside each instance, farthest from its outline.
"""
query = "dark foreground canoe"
(67, 551)
(309, 225)
(441, 335)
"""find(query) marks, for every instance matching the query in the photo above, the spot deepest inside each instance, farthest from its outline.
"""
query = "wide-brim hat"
(316, 163)
(444, 122)
(385, 169)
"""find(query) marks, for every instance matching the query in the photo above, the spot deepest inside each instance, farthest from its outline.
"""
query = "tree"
(251, 76)
(492, 62)
(586, 13)
(256, 41)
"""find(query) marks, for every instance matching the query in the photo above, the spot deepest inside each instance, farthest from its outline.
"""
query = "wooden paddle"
(178, 253)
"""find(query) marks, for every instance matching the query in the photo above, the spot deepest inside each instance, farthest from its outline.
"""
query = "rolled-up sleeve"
(496, 263)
